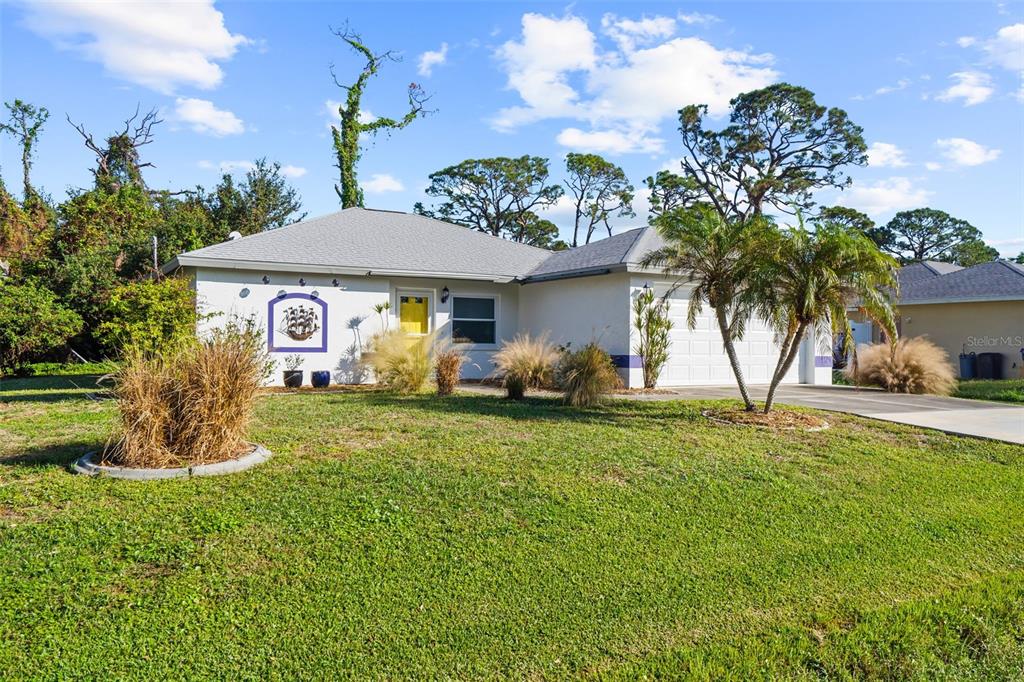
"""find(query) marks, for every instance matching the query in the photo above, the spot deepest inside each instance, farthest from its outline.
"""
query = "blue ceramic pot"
(320, 379)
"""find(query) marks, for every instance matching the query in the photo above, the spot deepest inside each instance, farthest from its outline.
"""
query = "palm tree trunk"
(785, 362)
(730, 351)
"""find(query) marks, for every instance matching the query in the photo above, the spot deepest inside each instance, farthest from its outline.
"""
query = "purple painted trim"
(822, 360)
(627, 361)
(291, 349)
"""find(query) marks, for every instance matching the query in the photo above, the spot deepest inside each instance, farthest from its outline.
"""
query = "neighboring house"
(313, 286)
(979, 309)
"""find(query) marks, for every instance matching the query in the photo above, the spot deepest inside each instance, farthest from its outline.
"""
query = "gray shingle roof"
(925, 270)
(374, 240)
(987, 281)
(614, 253)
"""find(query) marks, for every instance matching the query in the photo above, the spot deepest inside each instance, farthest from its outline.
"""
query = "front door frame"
(430, 294)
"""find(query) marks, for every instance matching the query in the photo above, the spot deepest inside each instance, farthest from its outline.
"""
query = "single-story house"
(979, 309)
(317, 287)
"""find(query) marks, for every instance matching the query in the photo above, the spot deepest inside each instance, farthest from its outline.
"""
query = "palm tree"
(718, 258)
(810, 277)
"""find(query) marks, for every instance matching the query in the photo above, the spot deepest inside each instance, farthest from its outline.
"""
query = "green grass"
(1005, 390)
(473, 537)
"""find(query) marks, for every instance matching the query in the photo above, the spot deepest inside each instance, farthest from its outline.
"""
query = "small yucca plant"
(447, 365)
(587, 374)
(914, 365)
(525, 362)
(401, 362)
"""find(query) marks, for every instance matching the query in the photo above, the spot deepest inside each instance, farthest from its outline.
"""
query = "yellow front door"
(414, 314)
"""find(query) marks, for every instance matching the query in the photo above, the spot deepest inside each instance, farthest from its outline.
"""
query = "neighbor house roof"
(931, 282)
(363, 241)
(390, 243)
(619, 252)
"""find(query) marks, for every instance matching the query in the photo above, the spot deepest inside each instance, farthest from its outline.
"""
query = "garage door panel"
(696, 356)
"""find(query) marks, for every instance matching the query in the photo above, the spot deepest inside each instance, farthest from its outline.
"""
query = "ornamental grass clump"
(914, 365)
(525, 362)
(189, 406)
(402, 362)
(586, 375)
(447, 366)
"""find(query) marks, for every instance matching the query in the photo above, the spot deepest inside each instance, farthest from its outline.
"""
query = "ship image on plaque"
(297, 323)
(300, 322)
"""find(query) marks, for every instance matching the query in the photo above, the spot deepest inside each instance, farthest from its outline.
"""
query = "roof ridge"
(271, 230)
(461, 227)
(1014, 267)
(641, 231)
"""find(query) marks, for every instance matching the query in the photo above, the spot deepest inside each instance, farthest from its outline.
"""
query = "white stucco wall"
(572, 311)
(351, 319)
(579, 310)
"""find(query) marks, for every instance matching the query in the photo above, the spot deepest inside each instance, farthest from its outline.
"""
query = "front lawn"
(471, 537)
(1005, 390)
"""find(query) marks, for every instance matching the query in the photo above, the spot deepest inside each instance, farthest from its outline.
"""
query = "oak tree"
(599, 190)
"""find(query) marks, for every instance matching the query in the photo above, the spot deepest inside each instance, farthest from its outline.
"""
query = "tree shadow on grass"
(51, 389)
(61, 455)
(611, 413)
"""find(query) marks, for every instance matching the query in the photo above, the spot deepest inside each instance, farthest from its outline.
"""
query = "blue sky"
(936, 87)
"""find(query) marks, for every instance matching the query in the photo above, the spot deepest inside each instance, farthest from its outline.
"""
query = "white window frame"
(452, 319)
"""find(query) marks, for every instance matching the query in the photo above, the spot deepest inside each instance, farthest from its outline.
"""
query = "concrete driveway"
(998, 421)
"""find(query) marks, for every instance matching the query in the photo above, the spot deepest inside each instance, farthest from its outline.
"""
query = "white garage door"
(696, 356)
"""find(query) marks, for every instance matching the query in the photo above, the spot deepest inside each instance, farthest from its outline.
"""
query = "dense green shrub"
(587, 374)
(32, 322)
(148, 315)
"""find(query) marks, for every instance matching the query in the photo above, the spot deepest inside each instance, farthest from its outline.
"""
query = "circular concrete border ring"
(87, 466)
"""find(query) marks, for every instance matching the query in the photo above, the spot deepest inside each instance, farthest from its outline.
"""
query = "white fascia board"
(233, 264)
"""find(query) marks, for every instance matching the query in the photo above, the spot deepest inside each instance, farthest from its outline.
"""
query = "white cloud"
(885, 196)
(697, 18)
(235, 166)
(246, 166)
(886, 155)
(901, 84)
(628, 33)
(203, 117)
(1007, 48)
(159, 45)
(538, 68)
(609, 141)
(432, 58)
(965, 152)
(973, 87)
(933, 165)
(559, 71)
(382, 182)
(966, 41)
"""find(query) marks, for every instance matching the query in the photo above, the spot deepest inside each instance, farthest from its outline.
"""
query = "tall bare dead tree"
(118, 161)
(352, 125)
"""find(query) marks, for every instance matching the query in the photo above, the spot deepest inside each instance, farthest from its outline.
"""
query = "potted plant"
(292, 373)
(320, 379)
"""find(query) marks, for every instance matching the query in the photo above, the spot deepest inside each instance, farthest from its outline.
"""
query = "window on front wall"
(473, 320)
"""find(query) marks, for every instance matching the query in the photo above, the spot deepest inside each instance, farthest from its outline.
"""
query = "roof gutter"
(940, 301)
(233, 264)
(570, 274)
